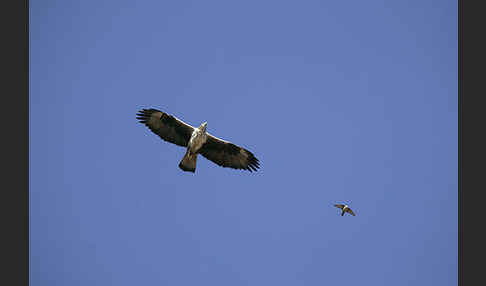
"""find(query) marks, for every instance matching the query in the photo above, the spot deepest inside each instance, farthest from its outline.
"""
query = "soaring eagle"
(197, 141)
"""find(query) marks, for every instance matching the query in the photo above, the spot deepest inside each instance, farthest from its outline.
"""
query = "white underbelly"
(196, 141)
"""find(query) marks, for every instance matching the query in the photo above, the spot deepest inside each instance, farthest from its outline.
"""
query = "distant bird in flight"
(197, 141)
(345, 208)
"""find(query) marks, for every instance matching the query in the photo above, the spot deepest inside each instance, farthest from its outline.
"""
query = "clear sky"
(342, 101)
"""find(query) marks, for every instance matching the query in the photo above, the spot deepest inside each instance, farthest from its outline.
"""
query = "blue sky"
(342, 101)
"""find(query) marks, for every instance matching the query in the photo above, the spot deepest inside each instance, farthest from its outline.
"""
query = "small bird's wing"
(168, 127)
(227, 154)
(350, 211)
(339, 206)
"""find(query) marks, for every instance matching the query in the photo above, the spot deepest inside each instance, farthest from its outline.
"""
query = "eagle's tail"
(188, 163)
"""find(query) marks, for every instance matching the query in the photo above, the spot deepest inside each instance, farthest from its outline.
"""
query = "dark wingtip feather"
(143, 116)
(253, 162)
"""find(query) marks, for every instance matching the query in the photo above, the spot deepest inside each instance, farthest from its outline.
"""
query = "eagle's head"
(203, 127)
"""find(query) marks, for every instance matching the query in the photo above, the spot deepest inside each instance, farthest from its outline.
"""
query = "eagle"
(197, 141)
(345, 208)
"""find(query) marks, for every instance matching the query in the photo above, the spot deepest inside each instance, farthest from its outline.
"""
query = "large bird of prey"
(197, 141)
(345, 208)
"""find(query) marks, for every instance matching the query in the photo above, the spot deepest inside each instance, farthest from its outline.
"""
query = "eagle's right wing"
(168, 127)
(229, 155)
(339, 206)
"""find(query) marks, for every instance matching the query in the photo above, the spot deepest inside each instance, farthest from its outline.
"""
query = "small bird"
(345, 208)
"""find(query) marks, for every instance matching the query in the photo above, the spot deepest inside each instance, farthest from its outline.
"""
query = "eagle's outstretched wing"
(350, 211)
(166, 126)
(227, 154)
(339, 206)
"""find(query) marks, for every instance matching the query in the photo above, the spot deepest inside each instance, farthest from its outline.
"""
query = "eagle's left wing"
(339, 206)
(227, 154)
(168, 127)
